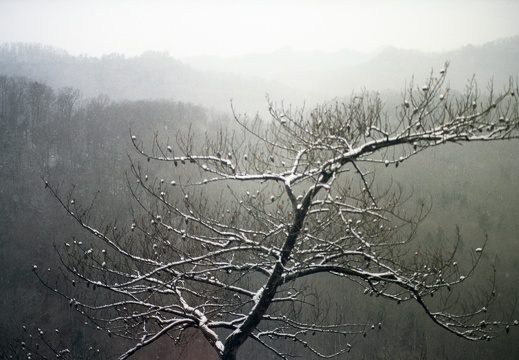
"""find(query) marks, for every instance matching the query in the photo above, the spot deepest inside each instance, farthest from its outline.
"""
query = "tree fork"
(238, 337)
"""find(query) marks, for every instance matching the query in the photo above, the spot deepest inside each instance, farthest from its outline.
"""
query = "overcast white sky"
(231, 27)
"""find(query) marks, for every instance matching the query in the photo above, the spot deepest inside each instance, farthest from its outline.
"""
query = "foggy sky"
(231, 27)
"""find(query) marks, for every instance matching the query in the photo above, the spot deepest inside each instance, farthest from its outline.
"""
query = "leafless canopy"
(231, 250)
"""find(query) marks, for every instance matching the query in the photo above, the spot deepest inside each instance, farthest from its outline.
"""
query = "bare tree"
(231, 250)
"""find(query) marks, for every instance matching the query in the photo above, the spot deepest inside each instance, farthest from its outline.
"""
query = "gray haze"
(75, 76)
(231, 28)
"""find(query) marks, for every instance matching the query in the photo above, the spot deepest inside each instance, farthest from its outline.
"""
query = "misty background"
(75, 78)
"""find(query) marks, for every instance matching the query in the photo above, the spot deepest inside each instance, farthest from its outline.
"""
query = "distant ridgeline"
(213, 82)
(152, 75)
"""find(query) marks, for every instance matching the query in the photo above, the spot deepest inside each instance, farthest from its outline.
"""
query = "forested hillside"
(68, 119)
(73, 140)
